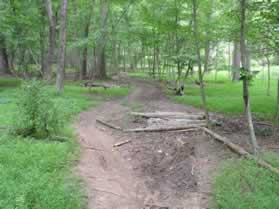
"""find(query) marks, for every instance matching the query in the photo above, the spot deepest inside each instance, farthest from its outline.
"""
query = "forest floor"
(155, 170)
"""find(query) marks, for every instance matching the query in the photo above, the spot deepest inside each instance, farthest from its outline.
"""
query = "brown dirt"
(155, 170)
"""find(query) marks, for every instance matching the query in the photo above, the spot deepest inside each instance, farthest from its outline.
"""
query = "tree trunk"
(83, 72)
(229, 65)
(62, 47)
(203, 97)
(101, 45)
(114, 67)
(50, 56)
(4, 61)
(246, 97)
(236, 62)
(207, 55)
(277, 110)
(268, 76)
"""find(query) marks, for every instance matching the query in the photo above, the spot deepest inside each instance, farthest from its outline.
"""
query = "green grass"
(242, 184)
(225, 96)
(38, 173)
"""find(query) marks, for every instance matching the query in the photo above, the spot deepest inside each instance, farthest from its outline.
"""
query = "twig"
(108, 192)
(108, 125)
(121, 143)
(93, 148)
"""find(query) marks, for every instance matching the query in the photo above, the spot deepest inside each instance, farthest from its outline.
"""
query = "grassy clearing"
(37, 173)
(242, 184)
(225, 96)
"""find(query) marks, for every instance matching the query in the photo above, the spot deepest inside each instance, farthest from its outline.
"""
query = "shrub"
(37, 114)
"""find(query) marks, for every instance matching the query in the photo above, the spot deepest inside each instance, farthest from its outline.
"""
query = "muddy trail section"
(168, 170)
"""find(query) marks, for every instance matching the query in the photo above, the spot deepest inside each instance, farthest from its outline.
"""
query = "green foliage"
(37, 173)
(246, 75)
(37, 114)
(243, 184)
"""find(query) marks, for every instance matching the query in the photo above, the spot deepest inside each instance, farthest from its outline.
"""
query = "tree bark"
(83, 72)
(207, 55)
(268, 75)
(4, 60)
(236, 62)
(62, 47)
(246, 97)
(50, 55)
(101, 44)
(202, 91)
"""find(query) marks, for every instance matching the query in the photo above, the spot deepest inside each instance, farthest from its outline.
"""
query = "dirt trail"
(155, 170)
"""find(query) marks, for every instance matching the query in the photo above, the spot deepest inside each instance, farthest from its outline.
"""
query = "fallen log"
(96, 85)
(121, 143)
(162, 129)
(239, 150)
(169, 115)
(108, 125)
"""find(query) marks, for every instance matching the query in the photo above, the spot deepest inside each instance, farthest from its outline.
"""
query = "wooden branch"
(186, 130)
(92, 85)
(121, 143)
(169, 115)
(108, 124)
(239, 150)
(160, 129)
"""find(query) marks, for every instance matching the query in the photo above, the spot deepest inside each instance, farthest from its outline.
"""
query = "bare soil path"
(156, 170)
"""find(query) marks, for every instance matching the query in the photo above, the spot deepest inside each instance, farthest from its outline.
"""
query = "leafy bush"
(37, 114)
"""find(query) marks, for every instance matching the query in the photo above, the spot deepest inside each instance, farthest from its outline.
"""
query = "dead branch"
(169, 115)
(108, 124)
(186, 130)
(121, 143)
(164, 129)
(239, 150)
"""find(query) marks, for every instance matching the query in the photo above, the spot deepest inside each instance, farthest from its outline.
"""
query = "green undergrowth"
(243, 184)
(37, 173)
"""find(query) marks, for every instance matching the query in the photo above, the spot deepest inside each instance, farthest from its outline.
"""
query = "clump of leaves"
(246, 75)
(37, 115)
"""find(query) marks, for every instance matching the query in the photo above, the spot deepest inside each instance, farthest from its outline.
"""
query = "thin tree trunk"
(4, 60)
(50, 56)
(229, 65)
(203, 97)
(84, 63)
(236, 62)
(62, 47)
(246, 97)
(42, 41)
(207, 55)
(268, 76)
(277, 109)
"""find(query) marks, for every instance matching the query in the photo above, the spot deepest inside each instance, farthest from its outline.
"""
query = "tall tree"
(246, 77)
(102, 39)
(62, 46)
(51, 47)
(196, 37)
